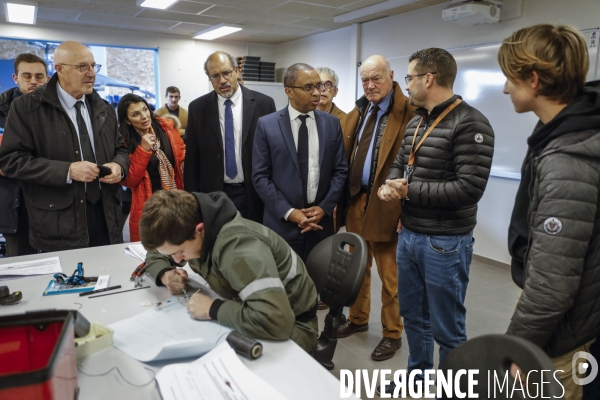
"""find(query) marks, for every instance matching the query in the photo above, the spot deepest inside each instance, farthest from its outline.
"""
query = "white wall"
(403, 34)
(336, 50)
(181, 60)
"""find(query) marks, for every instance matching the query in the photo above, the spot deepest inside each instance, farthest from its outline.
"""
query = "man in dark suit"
(299, 167)
(220, 135)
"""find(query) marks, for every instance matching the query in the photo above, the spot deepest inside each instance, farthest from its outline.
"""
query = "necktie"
(361, 154)
(230, 165)
(303, 154)
(92, 189)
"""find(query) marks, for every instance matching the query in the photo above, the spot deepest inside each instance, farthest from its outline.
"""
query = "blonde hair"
(558, 54)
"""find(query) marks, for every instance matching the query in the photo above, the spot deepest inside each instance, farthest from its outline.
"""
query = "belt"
(308, 315)
(235, 184)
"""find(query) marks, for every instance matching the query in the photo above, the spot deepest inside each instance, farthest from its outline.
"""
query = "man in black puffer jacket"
(554, 234)
(448, 165)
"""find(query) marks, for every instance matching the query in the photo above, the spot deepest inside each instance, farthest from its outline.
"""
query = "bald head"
(377, 78)
(66, 52)
(221, 69)
(74, 65)
(378, 62)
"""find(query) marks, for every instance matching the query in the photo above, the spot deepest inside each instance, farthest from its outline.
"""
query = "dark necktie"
(230, 164)
(92, 189)
(361, 153)
(303, 154)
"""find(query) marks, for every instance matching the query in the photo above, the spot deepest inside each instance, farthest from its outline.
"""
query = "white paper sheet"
(136, 251)
(43, 266)
(218, 375)
(166, 332)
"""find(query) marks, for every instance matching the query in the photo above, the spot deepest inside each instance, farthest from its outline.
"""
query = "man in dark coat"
(54, 141)
(220, 137)
(30, 72)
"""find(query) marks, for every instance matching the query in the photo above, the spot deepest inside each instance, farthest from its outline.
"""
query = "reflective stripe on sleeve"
(293, 269)
(258, 285)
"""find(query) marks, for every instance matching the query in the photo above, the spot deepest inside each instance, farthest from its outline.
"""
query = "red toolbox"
(37, 356)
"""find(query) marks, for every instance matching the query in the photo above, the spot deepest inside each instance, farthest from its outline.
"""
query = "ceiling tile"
(252, 5)
(320, 24)
(179, 17)
(51, 14)
(307, 10)
(243, 14)
(91, 7)
(189, 7)
(279, 29)
(186, 28)
(148, 24)
(330, 3)
(429, 3)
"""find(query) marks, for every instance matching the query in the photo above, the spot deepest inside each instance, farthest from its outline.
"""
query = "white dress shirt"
(68, 104)
(236, 109)
(313, 151)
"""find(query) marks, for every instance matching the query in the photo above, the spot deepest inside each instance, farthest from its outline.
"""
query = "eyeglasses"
(328, 85)
(217, 77)
(26, 76)
(84, 68)
(310, 88)
(408, 78)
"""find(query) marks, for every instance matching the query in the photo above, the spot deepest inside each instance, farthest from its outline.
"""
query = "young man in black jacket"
(30, 72)
(554, 233)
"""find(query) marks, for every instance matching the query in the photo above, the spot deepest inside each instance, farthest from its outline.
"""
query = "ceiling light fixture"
(160, 4)
(21, 12)
(216, 31)
(370, 10)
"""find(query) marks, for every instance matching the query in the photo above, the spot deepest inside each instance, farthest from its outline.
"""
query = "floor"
(490, 302)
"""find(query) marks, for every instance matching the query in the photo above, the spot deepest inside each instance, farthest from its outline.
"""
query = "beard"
(226, 94)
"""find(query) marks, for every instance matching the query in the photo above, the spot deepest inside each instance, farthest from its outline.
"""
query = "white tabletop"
(284, 365)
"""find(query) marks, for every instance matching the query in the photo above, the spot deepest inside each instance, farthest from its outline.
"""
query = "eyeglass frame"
(95, 67)
(32, 76)
(310, 89)
(408, 78)
(331, 85)
(216, 78)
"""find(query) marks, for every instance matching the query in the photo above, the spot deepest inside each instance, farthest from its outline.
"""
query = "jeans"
(433, 273)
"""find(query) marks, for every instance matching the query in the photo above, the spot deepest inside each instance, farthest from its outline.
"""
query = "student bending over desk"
(268, 292)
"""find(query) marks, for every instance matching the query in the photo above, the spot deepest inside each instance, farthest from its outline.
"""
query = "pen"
(122, 291)
(137, 271)
(100, 290)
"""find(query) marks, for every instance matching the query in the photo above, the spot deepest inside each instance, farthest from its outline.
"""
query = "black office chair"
(496, 353)
(337, 274)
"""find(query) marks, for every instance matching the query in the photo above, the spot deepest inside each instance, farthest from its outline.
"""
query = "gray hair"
(330, 72)
(291, 74)
(232, 60)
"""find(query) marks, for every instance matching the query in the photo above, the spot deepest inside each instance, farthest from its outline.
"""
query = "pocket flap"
(52, 203)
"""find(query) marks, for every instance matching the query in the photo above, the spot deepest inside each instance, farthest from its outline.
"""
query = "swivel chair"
(496, 354)
(337, 274)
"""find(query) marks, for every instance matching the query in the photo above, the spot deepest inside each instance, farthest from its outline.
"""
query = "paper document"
(218, 375)
(167, 332)
(136, 251)
(25, 268)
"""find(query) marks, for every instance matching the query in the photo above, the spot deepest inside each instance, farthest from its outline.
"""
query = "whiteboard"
(480, 83)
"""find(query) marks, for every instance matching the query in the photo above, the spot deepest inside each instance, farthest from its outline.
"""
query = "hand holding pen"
(175, 280)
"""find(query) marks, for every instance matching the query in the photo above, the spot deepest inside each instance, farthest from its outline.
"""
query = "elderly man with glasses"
(62, 142)
(220, 136)
(328, 92)
(299, 168)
